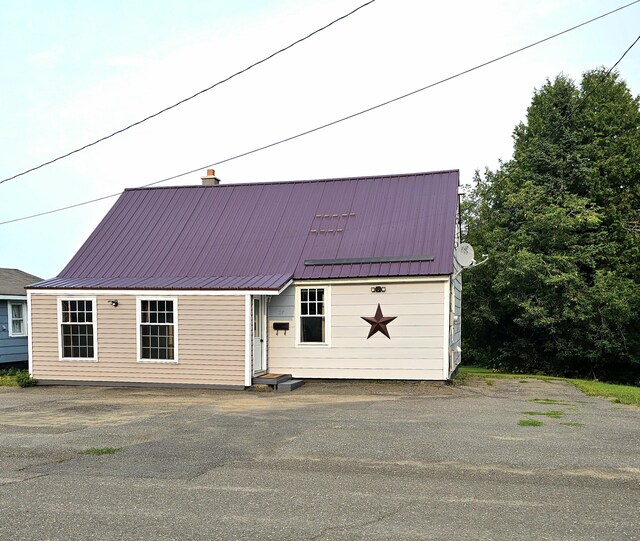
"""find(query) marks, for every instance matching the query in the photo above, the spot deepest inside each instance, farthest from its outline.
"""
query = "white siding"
(415, 350)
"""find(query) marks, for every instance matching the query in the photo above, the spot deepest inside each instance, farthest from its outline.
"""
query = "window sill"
(77, 359)
(157, 361)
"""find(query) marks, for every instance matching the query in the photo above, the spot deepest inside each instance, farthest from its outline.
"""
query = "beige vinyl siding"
(415, 350)
(210, 331)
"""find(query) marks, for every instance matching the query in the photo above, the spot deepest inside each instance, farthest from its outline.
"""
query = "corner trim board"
(247, 340)
(446, 347)
(29, 335)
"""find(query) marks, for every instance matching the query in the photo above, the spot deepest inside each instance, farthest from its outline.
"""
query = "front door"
(259, 353)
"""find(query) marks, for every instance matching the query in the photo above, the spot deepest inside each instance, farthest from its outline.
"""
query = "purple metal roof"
(258, 236)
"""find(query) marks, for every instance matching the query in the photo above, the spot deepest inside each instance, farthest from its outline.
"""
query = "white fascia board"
(284, 287)
(22, 298)
(378, 280)
(158, 292)
(237, 292)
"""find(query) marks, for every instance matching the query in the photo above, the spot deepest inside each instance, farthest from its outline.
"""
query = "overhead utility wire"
(335, 121)
(604, 77)
(583, 99)
(187, 99)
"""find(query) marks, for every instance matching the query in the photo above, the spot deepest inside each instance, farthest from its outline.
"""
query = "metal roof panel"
(253, 235)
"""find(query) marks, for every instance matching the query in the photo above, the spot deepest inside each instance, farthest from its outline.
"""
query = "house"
(13, 315)
(216, 284)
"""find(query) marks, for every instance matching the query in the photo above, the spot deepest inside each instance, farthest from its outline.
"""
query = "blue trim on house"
(12, 348)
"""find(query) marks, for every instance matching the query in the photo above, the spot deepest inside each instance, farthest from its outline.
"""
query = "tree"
(560, 293)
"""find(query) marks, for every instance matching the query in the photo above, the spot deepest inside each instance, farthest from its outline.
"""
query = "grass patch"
(572, 423)
(12, 377)
(489, 381)
(476, 371)
(490, 372)
(554, 414)
(101, 451)
(529, 422)
(550, 401)
(622, 394)
(8, 381)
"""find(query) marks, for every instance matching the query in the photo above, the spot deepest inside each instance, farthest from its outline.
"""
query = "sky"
(76, 70)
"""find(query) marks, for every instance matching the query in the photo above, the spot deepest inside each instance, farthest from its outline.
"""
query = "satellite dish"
(464, 254)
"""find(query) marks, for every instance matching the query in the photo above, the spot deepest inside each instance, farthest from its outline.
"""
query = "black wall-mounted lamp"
(378, 289)
(114, 303)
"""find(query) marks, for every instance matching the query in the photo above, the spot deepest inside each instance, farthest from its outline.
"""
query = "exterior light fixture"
(378, 289)
(114, 303)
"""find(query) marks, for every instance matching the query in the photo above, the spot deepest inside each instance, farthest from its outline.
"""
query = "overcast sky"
(73, 71)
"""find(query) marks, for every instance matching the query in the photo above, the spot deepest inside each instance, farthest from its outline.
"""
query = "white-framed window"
(313, 314)
(77, 330)
(17, 318)
(157, 330)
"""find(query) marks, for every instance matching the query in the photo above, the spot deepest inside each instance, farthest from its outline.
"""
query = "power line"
(583, 99)
(604, 77)
(187, 99)
(369, 109)
(623, 55)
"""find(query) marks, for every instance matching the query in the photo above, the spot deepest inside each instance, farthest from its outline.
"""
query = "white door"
(259, 353)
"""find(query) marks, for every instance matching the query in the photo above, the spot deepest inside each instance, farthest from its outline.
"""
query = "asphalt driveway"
(326, 462)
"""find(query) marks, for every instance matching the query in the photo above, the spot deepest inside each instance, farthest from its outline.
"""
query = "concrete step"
(289, 385)
(270, 379)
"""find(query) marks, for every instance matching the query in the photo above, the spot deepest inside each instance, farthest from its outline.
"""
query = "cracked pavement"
(330, 461)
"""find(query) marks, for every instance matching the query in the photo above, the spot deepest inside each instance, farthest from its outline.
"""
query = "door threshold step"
(289, 385)
(270, 379)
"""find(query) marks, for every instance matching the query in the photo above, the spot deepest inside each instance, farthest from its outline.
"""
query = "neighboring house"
(215, 284)
(13, 315)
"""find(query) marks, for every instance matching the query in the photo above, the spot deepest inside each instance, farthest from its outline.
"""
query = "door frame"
(261, 302)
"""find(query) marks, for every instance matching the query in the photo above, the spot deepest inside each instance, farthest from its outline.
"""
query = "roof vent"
(210, 178)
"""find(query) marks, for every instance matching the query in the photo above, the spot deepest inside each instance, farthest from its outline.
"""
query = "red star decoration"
(378, 323)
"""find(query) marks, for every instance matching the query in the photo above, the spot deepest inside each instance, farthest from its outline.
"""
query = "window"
(77, 329)
(157, 334)
(17, 319)
(313, 313)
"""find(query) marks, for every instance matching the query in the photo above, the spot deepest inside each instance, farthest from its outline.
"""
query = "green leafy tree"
(560, 293)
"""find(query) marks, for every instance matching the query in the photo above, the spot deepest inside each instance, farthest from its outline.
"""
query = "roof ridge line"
(284, 182)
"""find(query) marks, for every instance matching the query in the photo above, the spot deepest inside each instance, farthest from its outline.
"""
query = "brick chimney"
(210, 178)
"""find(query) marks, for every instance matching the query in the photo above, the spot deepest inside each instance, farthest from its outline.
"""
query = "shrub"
(24, 379)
